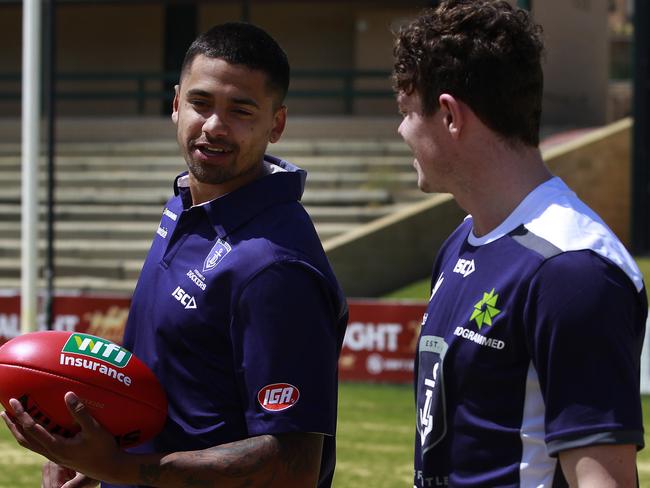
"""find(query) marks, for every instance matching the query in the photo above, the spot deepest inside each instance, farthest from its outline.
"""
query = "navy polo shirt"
(239, 315)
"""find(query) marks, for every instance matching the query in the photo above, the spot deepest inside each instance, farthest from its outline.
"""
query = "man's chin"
(210, 176)
(426, 187)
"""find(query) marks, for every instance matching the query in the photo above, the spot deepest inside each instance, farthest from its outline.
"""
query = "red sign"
(101, 316)
(379, 343)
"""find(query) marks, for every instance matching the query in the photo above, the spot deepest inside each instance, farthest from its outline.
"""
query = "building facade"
(121, 58)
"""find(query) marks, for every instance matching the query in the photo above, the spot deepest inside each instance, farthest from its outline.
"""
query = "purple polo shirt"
(239, 315)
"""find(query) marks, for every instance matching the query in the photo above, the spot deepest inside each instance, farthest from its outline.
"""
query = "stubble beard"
(210, 174)
(213, 174)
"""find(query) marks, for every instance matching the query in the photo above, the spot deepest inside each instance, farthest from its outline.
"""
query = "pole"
(245, 11)
(641, 133)
(48, 302)
(30, 154)
(31, 102)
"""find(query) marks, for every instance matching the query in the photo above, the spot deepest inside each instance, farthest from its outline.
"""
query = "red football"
(120, 391)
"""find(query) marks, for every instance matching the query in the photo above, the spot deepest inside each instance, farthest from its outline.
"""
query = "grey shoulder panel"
(534, 242)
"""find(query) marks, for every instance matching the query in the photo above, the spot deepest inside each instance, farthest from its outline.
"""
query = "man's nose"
(215, 125)
(400, 129)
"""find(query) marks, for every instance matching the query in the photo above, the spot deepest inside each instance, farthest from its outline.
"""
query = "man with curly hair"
(527, 367)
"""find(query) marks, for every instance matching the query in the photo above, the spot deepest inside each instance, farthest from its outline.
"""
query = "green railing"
(344, 85)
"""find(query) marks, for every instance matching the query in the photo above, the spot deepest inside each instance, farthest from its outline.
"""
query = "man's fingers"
(80, 481)
(13, 428)
(79, 412)
(30, 429)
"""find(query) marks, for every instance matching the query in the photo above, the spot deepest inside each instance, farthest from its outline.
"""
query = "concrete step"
(81, 284)
(174, 165)
(114, 240)
(288, 148)
(161, 179)
(157, 196)
(88, 230)
(150, 128)
(128, 231)
(70, 267)
(10, 212)
(119, 260)
(83, 249)
(350, 214)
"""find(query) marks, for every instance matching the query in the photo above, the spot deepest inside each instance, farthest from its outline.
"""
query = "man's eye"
(241, 111)
(198, 103)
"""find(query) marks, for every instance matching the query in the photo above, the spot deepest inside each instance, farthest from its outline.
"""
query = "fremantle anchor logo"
(218, 252)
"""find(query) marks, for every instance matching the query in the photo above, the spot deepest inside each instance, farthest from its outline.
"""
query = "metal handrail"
(347, 89)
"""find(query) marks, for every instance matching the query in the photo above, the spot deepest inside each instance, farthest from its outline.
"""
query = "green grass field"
(375, 442)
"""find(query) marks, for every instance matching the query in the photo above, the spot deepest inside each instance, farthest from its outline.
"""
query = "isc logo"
(87, 345)
(278, 396)
(185, 299)
(465, 267)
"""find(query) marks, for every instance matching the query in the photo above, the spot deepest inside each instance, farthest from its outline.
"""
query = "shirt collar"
(228, 212)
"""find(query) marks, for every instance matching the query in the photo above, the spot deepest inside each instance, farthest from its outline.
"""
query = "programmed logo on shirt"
(216, 254)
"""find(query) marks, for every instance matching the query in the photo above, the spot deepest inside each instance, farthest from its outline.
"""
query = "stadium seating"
(109, 197)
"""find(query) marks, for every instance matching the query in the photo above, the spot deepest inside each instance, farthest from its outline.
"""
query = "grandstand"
(113, 178)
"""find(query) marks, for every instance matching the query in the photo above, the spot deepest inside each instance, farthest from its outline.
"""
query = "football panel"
(131, 421)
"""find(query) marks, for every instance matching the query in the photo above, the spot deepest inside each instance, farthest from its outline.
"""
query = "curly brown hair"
(483, 52)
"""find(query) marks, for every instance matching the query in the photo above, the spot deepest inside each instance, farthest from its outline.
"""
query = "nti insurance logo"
(97, 348)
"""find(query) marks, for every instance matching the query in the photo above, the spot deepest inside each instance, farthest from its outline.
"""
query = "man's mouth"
(210, 150)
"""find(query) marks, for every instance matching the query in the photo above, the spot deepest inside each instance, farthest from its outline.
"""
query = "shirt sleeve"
(585, 324)
(285, 343)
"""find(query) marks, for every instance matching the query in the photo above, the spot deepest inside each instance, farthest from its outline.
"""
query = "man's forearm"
(600, 466)
(265, 461)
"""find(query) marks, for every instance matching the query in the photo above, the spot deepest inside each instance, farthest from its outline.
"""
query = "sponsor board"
(379, 344)
(101, 316)
(380, 341)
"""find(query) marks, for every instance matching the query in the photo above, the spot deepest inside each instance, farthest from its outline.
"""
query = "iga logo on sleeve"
(278, 396)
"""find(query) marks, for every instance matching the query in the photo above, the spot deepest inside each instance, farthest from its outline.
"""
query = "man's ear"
(279, 122)
(175, 104)
(454, 119)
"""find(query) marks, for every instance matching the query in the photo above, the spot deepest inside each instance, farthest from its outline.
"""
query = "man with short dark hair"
(527, 367)
(236, 311)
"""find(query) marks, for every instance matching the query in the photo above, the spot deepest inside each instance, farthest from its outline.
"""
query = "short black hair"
(486, 53)
(247, 45)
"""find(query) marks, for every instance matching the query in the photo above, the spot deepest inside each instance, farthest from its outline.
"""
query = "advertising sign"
(380, 341)
(100, 316)
(379, 344)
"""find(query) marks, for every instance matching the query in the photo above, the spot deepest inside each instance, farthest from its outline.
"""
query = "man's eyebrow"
(196, 92)
(244, 101)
